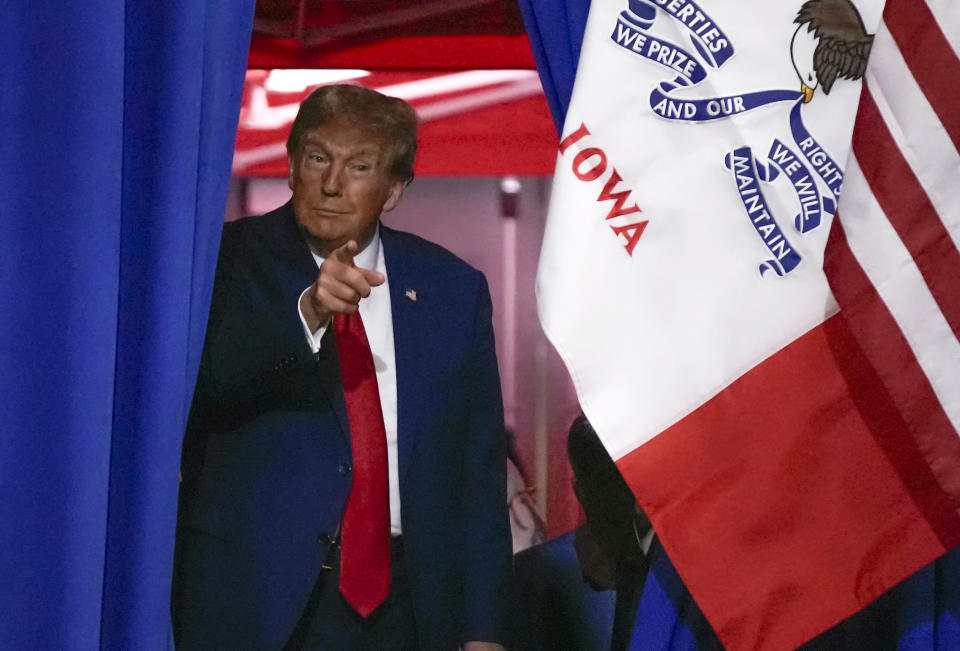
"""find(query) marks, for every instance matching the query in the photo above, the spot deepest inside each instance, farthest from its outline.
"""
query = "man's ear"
(394, 194)
(290, 164)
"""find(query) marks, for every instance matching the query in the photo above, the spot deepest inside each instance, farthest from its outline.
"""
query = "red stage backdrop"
(473, 122)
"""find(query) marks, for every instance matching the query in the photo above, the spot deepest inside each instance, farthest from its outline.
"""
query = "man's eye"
(362, 167)
(317, 158)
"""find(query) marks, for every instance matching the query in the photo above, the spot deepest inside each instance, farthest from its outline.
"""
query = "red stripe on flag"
(907, 206)
(775, 502)
(911, 425)
(928, 54)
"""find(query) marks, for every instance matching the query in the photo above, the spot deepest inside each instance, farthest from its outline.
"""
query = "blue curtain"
(555, 28)
(118, 125)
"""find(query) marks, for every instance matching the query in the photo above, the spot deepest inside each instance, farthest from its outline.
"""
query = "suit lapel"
(296, 268)
(409, 323)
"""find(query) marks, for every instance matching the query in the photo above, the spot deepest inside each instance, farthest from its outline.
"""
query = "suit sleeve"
(255, 339)
(486, 535)
(255, 356)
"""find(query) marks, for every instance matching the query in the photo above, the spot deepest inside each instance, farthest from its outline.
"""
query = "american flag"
(893, 258)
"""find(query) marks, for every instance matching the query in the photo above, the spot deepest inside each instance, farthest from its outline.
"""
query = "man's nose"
(333, 181)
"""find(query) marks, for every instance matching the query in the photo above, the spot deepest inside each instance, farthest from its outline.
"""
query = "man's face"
(341, 182)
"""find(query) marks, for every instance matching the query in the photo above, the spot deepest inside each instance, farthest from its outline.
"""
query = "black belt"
(333, 555)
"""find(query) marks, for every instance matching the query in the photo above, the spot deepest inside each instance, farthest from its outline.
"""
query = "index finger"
(346, 253)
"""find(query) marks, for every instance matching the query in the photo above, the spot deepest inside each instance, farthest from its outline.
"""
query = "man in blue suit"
(271, 459)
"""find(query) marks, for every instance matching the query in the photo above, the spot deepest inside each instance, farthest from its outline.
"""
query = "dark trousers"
(329, 623)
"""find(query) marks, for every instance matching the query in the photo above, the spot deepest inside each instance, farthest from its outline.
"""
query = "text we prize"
(588, 165)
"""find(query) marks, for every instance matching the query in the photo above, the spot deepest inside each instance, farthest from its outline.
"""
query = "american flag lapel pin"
(411, 294)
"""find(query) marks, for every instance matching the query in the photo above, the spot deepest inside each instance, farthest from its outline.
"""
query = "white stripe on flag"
(916, 129)
(947, 15)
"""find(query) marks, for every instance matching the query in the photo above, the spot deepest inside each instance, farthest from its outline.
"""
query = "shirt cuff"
(313, 338)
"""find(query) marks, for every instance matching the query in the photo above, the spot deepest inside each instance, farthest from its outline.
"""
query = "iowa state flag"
(751, 270)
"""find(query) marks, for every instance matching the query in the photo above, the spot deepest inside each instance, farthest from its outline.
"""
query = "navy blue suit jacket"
(267, 465)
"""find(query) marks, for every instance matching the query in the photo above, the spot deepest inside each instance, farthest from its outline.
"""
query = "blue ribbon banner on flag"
(713, 49)
(712, 44)
(812, 205)
(748, 173)
(826, 167)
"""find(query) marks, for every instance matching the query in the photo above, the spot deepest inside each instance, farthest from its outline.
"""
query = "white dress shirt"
(378, 324)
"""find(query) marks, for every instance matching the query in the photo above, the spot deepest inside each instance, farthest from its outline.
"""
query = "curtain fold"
(119, 122)
(556, 29)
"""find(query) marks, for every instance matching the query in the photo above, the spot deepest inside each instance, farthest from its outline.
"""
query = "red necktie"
(365, 533)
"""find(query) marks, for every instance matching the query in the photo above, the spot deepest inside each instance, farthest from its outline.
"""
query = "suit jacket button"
(344, 468)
